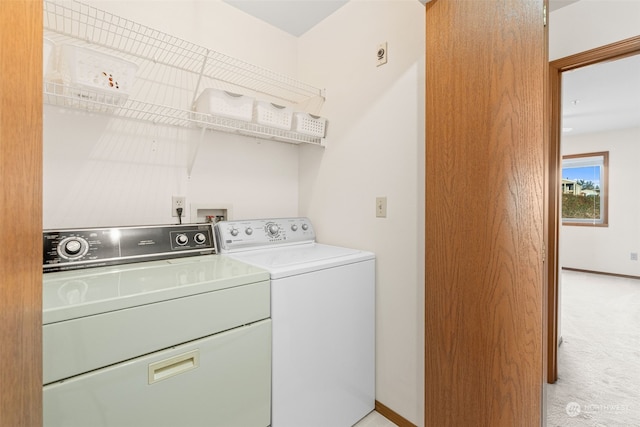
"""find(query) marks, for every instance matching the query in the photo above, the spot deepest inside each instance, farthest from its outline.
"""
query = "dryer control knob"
(200, 238)
(182, 239)
(305, 226)
(249, 231)
(72, 247)
(234, 232)
(294, 227)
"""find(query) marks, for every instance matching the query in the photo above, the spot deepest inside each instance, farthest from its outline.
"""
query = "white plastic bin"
(308, 124)
(225, 104)
(96, 76)
(48, 56)
(274, 115)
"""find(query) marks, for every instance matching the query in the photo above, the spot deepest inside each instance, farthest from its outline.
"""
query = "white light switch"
(381, 207)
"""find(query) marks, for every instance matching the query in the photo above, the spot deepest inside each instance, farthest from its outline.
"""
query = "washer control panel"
(96, 247)
(256, 233)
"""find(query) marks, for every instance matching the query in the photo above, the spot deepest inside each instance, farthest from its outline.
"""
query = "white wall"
(607, 249)
(588, 24)
(101, 171)
(213, 24)
(375, 147)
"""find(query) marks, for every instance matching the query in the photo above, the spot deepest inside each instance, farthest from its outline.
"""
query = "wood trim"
(604, 273)
(609, 52)
(583, 224)
(21, 213)
(552, 224)
(392, 416)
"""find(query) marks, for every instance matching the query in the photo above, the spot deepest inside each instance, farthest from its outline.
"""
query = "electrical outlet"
(177, 202)
(634, 256)
(381, 54)
(381, 207)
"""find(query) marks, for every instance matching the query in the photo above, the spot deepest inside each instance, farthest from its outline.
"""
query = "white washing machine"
(323, 320)
(144, 326)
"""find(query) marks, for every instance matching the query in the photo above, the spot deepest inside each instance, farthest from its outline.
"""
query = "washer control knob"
(234, 232)
(249, 231)
(200, 238)
(305, 226)
(182, 239)
(294, 227)
(73, 247)
(273, 229)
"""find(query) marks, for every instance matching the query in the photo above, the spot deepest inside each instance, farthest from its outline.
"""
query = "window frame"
(604, 191)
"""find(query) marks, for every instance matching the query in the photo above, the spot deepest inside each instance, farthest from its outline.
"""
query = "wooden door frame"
(21, 213)
(608, 52)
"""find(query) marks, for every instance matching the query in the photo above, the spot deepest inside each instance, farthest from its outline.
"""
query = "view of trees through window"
(584, 188)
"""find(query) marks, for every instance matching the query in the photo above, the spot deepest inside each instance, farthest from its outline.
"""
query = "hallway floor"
(599, 358)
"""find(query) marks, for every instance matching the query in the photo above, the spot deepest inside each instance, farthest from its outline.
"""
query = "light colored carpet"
(599, 359)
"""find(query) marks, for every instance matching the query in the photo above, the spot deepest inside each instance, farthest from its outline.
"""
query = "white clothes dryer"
(323, 320)
(146, 327)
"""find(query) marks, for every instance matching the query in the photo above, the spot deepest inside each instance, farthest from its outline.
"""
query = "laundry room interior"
(101, 170)
(361, 184)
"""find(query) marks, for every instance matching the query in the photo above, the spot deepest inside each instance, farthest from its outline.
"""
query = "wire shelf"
(255, 130)
(75, 20)
(95, 101)
(171, 72)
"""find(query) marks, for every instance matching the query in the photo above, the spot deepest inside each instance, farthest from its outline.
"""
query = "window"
(584, 189)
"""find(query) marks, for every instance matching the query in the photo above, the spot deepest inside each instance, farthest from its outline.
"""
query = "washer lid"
(72, 294)
(298, 259)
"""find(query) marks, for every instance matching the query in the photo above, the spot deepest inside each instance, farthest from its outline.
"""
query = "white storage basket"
(48, 56)
(96, 76)
(274, 115)
(308, 124)
(225, 104)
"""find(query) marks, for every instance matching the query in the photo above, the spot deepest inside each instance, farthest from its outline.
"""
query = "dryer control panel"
(234, 236)
(96, 247)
